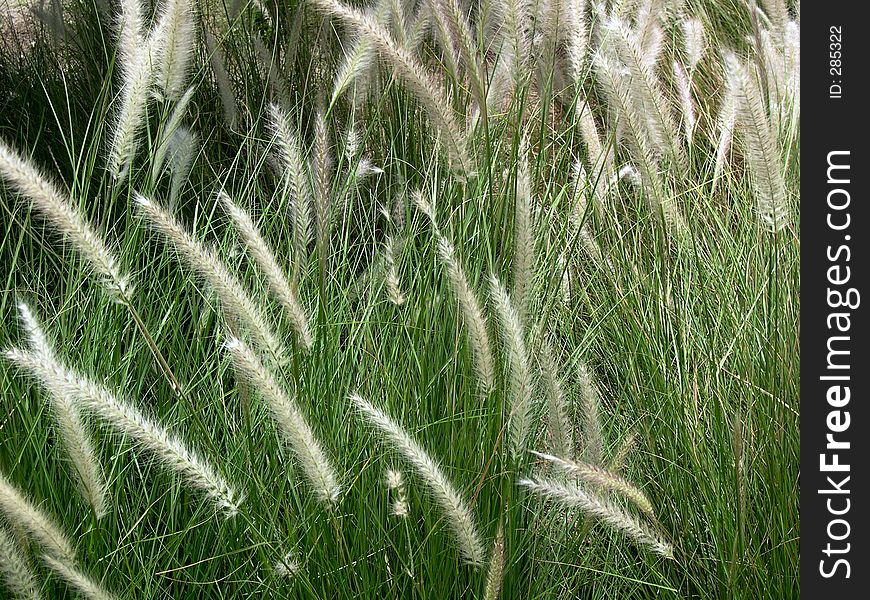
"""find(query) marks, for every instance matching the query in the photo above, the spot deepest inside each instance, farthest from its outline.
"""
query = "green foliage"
(690, 337)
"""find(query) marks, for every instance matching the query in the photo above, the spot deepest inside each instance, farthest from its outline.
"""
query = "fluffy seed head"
(521, 390)
(472, 315)
(125, 417)
(23, 514)
(236, 302)
(694, 41)
(288, 566)
(268, 263)
(604, 480)
(459, 515)
(759, 141)
(315, 464)
(173, 41)
(130, 115)
(15, 569)
(599, 508)
(423, 85)
(79, 581)
(46, 199)
(495, 575)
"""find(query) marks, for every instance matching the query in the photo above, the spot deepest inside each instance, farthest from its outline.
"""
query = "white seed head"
(15, 568)
(20, 511)
(459, 515)
(308, 450)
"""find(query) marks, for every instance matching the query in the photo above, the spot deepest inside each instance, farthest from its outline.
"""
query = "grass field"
(423, 299)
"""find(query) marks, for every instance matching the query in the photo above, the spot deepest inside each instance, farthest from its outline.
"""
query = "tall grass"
(543, 255)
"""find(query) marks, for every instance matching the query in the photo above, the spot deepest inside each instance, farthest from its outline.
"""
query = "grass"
(692, 342)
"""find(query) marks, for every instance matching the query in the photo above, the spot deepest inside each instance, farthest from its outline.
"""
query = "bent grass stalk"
(74, 435)
(268, 263)
(459, 515)
(315, 464)
(234, 299)
(20, 511)
(146, 432)
(15, 568)
(600, 508)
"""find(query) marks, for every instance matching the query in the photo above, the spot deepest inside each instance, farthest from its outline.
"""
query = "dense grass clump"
(412, 299)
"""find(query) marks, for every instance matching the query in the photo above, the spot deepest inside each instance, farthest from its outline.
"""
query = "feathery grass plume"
(558, 419)
(394, 288)
(397, 214)
(455, 37)
(322, 167)
(499, 92)
(600, 158)
(759, 142)
(73, 433)
(495, 574)
(548, 16)
(576, 34)
(16, 571)
(593, 436)
(515, 51)
(182, 150)
(772, 68)
(792, 59)
(648, 105)
(694, 42)
(234, 299)
(524, 234)
(130, 115)
(22, 176)
(648, 31)
(460, 30)
(603, 480)
(602, 509)
(268, 263)
(35, 335)
(167, 131)
(777, 13)
(472, 315)
(446, 39)
(357, 60)
(684, 89)
(459, 515)
(131, 36)
(173, 40)
(218, 63)
(315, 463)
(424, 86)
(725, 124)
(296, 178)
(619, 90)
(23, 514)
(125, 417)
(417, 28)
(397, 17)
(521, 391)
(79, 581)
